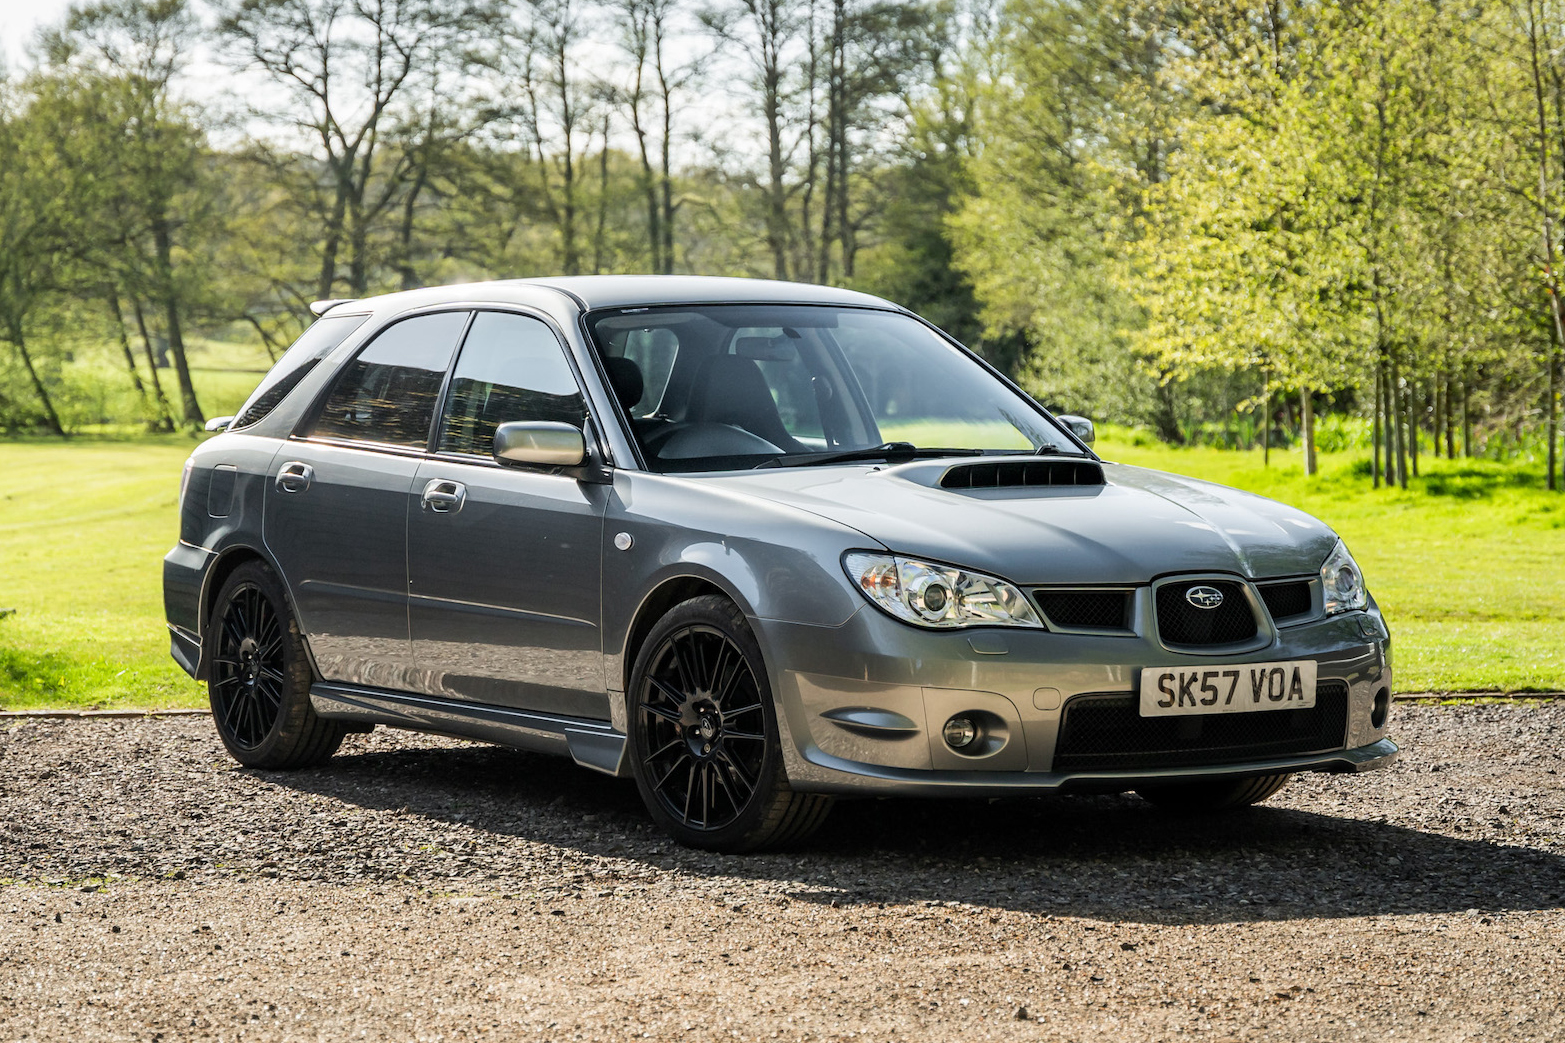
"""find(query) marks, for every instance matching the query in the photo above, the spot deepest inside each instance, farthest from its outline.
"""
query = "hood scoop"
(1011, 472)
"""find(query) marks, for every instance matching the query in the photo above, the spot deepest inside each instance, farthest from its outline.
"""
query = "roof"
(627, 291)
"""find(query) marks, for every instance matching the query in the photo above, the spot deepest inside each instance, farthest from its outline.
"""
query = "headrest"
(625, 378)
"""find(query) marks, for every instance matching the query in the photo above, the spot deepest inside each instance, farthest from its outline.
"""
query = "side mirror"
(1079, 426)
(541, 443)
(219, 423)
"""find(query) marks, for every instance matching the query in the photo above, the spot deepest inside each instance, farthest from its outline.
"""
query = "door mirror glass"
(1079, 426)
(539, 442)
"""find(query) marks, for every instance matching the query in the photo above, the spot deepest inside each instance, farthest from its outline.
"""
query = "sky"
(18, 19)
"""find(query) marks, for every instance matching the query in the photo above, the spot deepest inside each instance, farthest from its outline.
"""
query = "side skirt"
(592, 744)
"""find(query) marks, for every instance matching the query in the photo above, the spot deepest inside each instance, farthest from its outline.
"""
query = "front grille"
(1086, 609)
(1107, 733)
(1284, 600)
(1181, 623)
(999, 474)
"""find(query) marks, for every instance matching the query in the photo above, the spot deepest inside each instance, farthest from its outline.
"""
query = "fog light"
(960, 733)
(1381, 709)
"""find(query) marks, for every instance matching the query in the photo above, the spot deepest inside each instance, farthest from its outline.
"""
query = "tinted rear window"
(313, 345)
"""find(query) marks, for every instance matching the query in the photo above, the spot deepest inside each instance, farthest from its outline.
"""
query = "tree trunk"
(1438, 423)
(113, 301)
(648, 185)
(1307, 414)
(51, 418)
(407, 278)
(1399, 407)
(1467, 418)
(600, 233)
(666, 173)
(1552, 409)
(332, 240)
(1415, 414)
(1388, 412)
(1374, 464)
(165, 411)
(176, 339)
(1266, 428)
(1450, 418)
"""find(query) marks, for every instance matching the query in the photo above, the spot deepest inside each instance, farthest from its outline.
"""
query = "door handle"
(295, 477)
(444, 497)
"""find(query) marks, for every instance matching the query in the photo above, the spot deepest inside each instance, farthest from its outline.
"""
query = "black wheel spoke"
(666, 692)
(663, 712)
(672, 744)
(726, 685)
(687, 677)
(690, 791)
(737, 772)
(729, 715)
(660, 783)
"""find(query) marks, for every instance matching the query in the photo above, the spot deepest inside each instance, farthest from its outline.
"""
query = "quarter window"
(313, 345)
(512, 367)
(387, 394)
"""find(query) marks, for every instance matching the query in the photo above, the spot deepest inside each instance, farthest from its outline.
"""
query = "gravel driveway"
(419, 888)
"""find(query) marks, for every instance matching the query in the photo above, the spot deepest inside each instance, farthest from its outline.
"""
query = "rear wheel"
(1219, 795)
(259, 679)
(704, 736)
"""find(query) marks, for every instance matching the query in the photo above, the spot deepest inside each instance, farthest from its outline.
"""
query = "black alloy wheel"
(248, 671)
(704, 735)
(259, 676)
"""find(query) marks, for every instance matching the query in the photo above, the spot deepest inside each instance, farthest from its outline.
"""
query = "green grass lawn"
(1469, 566)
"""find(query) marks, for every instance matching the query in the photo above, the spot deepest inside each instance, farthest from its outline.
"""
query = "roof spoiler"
(320, 308)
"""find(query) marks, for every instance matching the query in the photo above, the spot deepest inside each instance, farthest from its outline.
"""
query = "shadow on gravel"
(1113, 858)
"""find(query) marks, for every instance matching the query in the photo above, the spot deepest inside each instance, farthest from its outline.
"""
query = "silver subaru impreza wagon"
(755, 545)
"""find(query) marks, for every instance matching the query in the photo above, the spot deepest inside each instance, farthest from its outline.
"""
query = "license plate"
(1241, 688)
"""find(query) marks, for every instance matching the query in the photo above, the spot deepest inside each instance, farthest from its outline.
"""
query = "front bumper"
(861, 705)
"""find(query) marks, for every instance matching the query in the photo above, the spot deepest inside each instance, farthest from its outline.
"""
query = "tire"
(704, 739)
(259, 680)
(1202, 798)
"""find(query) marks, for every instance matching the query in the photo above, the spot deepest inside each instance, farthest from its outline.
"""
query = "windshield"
(729, 386)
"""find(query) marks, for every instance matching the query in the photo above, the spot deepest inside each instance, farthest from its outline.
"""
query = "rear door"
(336, 503)
(504, 562)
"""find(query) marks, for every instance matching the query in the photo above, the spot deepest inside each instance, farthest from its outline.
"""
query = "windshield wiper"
(888, 451)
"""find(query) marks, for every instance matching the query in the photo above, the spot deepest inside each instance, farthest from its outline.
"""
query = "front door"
(504, 562)
(336, 503)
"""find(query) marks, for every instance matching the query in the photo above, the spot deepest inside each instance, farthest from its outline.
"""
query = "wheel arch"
(228, 560)
(667, 593)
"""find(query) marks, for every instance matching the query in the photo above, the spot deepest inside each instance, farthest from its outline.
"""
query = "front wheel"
(704, 737)
(259, 678)
(1199, 798)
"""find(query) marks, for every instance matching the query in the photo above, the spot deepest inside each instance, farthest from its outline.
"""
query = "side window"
(511, 368)
(387, 394)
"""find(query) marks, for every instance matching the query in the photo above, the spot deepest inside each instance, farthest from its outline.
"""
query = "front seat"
(730, 390)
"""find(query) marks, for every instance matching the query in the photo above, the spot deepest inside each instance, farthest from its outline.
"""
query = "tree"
(32, 236)
(650, 101)
(345, 65)
(132, 150)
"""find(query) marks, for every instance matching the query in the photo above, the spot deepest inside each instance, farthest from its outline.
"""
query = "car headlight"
(1343, 582)
(930, 595)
